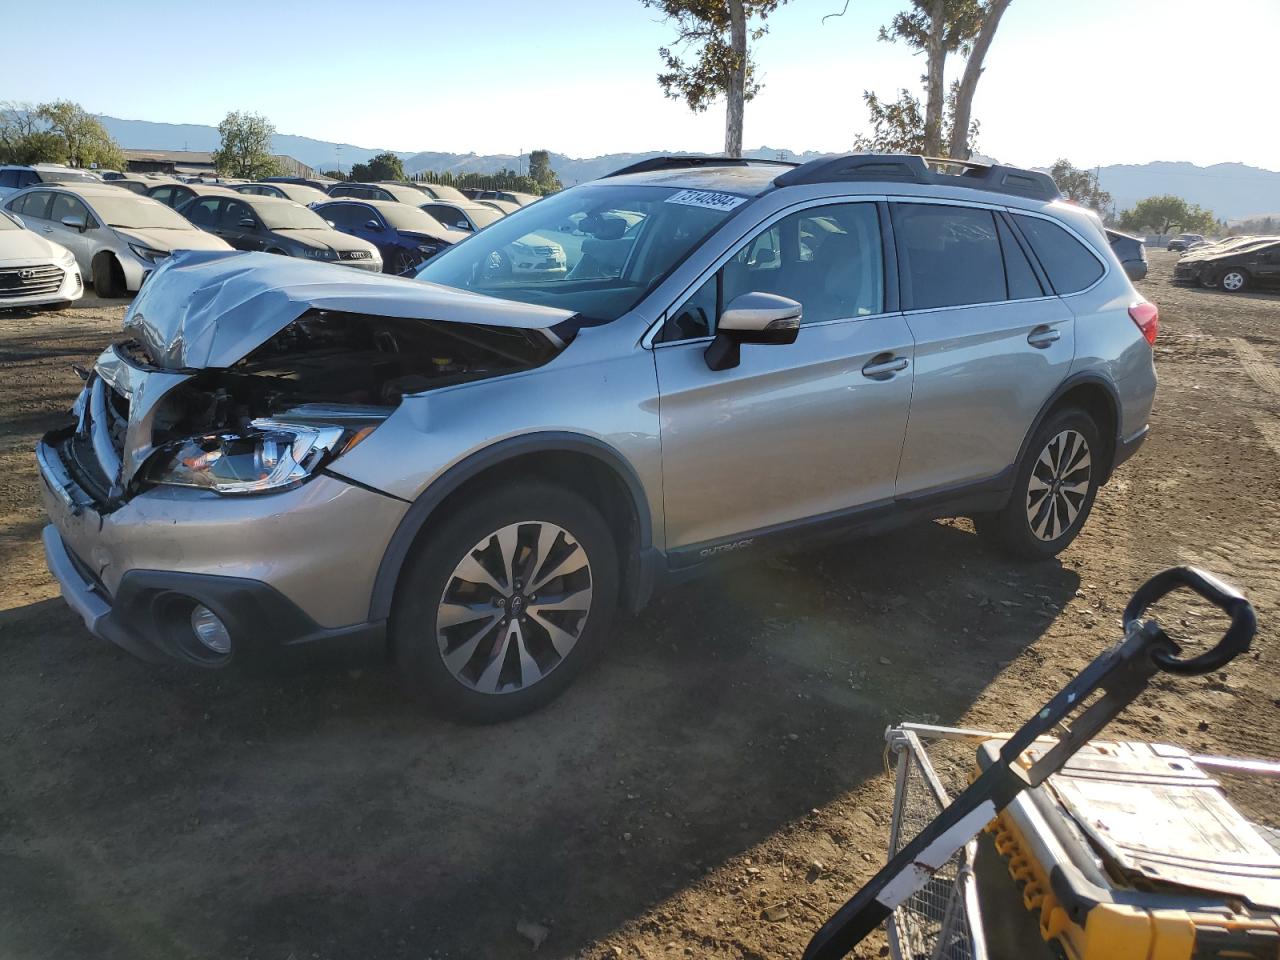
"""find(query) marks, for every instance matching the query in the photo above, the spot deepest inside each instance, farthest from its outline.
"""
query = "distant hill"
(1231, 190)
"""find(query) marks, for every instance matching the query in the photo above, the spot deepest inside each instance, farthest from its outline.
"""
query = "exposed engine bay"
(301, 398)
(337, 358)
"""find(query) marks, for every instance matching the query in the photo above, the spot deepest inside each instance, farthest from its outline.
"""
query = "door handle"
(47, 229)
(1043, 336)
(883, 366)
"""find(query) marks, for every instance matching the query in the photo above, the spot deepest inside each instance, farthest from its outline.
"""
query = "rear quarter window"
(1071, 266)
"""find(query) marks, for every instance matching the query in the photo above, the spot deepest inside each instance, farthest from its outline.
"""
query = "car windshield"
(68, 176)
(289, 216)
(139, 213)
(596, 249)
(401, 216)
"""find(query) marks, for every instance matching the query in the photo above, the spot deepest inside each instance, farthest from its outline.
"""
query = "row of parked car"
(114, 231)
(1233, 264)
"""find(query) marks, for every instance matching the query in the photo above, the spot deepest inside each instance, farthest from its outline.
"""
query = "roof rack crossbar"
(680, 161)
(912, 168)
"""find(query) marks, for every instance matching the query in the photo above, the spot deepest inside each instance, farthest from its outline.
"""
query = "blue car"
(403, 234)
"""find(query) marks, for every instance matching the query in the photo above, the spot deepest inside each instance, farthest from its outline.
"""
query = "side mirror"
(372, 225)
(752, 318)
(332, 224)
(75, 223)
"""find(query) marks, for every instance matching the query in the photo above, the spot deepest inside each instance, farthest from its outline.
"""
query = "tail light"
(1147, 317)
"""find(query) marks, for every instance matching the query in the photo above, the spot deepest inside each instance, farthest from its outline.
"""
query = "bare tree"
(717, 35)
(960, 147)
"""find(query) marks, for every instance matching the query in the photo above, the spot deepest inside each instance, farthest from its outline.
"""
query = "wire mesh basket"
(942, 920)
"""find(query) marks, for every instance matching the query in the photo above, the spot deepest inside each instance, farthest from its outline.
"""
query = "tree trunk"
(969, 81)
(934, 80)
(737, 80)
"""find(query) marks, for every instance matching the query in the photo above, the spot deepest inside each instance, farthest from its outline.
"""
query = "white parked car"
(35, 272)
(117, 237)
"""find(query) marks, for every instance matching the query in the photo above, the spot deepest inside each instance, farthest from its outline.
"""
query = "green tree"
(25, 138)
(245, 148)
(1080, 186)
(58, 132)
(86, 142)
(333, 174)
(540, 172)
(385, 166)
(715, 36)
(1165, 213)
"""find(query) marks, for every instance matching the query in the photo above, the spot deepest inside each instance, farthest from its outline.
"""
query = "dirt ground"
(721, 763)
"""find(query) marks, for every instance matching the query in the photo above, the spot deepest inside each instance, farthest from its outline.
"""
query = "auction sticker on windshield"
(706, 198)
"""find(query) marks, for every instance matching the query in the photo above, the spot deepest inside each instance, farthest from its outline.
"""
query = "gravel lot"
(731, 738)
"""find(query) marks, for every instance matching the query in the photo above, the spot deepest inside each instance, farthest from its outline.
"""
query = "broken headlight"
(271, 455)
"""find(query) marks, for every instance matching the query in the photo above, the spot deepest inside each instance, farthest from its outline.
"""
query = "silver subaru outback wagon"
(475, 469)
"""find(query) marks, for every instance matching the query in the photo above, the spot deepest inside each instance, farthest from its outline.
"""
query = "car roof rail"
(683, 161)
(913, 168)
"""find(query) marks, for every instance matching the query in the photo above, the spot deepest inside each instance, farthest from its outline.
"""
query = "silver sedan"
(117, 237)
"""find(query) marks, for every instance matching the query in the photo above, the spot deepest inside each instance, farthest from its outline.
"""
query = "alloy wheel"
(1232, 280)
(1059, 485)
(514, 607)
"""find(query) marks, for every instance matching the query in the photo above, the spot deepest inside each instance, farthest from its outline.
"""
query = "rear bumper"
(1127, 447)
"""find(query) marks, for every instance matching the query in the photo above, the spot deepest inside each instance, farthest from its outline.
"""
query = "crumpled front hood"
(209, 309)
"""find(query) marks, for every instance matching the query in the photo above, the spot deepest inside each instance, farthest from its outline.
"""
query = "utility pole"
(338, 148)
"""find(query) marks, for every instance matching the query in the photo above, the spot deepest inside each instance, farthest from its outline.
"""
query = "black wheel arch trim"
(638, 572)
(1083, 378)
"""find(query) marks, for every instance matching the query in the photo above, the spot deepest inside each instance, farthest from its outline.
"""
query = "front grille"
(354, 255)
(30, 281)
(543, 251)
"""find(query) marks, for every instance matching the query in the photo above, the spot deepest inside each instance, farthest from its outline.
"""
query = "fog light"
(210, 630)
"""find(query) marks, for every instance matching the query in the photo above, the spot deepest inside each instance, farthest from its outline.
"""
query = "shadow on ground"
(150, 812)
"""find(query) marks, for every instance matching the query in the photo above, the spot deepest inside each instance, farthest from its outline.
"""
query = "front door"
(992, 344)
(239, 227)
(794, 432)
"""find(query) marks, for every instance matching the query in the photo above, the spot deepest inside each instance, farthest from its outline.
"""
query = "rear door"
(992, 343)
(794, 432)
(1266, 267)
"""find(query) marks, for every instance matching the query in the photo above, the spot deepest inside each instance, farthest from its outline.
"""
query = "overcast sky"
(1098, 81)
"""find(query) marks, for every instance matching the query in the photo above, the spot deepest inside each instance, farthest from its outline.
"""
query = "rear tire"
(481, 630)
(1053, 491)
(108, 277)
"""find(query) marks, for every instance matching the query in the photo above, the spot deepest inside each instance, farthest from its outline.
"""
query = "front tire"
(503, 604)
(1053, 491)
(108, 277)
(1234, 280)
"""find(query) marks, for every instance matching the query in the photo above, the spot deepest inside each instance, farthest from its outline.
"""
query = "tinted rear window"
(1067, 261)
(950, 255)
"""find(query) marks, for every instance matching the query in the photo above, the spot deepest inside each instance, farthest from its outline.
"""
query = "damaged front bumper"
(265, 565)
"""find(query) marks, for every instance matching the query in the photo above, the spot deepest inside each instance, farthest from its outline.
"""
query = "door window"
(35, 205)
(1069, 264)
(27, 178)
(948, 256)
(345, 216)
(203, 212)
(449, 216)
(233, 211)
(8, 178)
(828, 258)
(162, 194)
(65, 205)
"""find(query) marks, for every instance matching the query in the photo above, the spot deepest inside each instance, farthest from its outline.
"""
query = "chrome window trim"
(751, 232)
